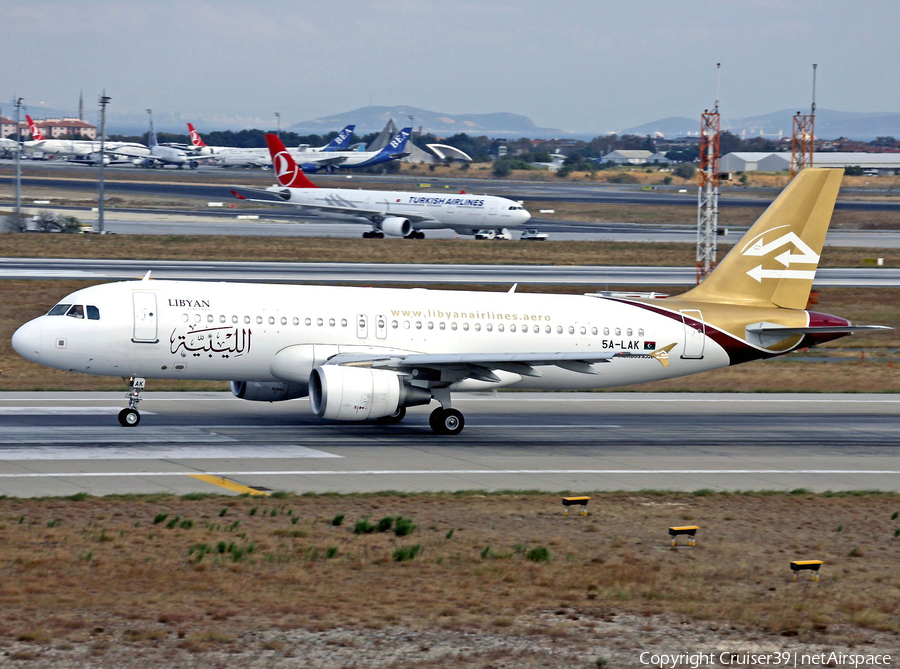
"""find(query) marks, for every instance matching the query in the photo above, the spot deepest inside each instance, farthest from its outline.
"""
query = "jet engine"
(275, 391)
(194, 164)
(396, 226)
(353, 393)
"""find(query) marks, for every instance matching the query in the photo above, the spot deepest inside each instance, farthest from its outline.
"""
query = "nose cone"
(27, 340)
(526, 216)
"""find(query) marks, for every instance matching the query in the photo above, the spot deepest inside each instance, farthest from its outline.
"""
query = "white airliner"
(332, 153)
(159, 155)
(395, 213)
(369, 353)
(79, 150)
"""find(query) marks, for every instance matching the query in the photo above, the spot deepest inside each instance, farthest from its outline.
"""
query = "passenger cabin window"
(93, 313)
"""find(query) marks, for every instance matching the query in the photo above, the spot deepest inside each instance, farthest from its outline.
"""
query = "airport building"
(627, 157)
(883, 164)
(53, 128)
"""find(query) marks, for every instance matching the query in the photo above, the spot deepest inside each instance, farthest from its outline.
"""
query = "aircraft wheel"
(446, 421)
(378, 234)
(129, 418)
(395, 417)
(419, 234)
(368, 234)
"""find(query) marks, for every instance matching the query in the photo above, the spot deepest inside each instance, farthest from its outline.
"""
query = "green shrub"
(363, 526)
(385, 523)
(159, 517)
(79, 496)
(338, 519)
(172, 523)
(331, 552)
(403, 527)
(223, 512)
(539, 554)
(408, 553)
(485, 552)
(449, 534)
(187, 524)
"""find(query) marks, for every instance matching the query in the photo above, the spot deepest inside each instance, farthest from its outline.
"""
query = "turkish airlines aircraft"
(80, 150)
(332, 153)
(369, 353)
(160, 156)
(392, 213)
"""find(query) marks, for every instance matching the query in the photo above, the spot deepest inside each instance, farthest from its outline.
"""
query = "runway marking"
(200, 451)
(63, 411)
(419, 472)
(229, 485)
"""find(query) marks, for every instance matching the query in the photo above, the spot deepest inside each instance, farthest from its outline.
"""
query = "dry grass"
(102, 564)
(861, 363)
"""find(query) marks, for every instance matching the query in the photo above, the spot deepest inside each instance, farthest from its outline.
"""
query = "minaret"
(80, 105)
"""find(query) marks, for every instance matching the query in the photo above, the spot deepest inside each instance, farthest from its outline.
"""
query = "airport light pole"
(412, 124)
(18, 104)
(278, 124)
(104, 100)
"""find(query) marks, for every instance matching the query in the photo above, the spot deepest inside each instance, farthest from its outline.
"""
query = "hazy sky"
(578, 65)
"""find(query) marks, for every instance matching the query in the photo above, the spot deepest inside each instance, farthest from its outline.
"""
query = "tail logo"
(195, 137)
(398, 139)
(285, 168)
(758, 248)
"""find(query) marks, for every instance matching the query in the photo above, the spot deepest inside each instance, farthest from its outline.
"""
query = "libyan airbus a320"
(393, 213)
(369, 353)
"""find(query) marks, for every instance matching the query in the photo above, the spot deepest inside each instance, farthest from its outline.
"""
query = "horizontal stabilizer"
(835, 329)
(260, 195)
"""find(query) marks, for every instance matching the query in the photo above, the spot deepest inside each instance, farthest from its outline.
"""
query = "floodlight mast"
(803, 138)
(18, 104)
(708, 191)
(104, 100)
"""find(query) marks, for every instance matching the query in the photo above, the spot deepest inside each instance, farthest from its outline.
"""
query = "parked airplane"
(160, 155)
(392, 213)
(336, 150)
(78, 150)
(369, 353)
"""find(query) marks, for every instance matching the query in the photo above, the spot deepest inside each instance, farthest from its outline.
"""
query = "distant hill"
(372, 119)
(830, 124)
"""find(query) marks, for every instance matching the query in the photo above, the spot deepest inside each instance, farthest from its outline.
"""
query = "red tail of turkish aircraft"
(287, 171)
(36, 133)
(196, 140)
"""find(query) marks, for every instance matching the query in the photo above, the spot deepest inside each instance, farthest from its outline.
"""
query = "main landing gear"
(373, 234)
(130, 417)
(415, 234)
(445, 420)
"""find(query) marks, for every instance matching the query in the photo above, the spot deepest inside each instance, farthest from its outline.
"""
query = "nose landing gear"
(130, 417)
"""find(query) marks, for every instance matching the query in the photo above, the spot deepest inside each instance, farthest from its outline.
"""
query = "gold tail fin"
(775, 262)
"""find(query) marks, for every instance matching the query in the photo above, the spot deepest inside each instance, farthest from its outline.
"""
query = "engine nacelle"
(395, 226)
(194, 164)
(354, 393)
(263, 391)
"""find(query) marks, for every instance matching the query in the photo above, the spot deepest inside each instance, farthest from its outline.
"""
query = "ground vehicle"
(493, 234)
(532, 234)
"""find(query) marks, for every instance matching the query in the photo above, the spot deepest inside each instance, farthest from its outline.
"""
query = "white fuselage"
(256, 332)
(465, 213)
(262, 158)
(77, 147)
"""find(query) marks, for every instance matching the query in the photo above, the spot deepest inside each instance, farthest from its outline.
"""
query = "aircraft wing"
(128, 153)
(282, 197)
(445, 369)
(334, 160)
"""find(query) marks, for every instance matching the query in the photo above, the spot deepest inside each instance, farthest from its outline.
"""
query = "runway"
(66, 443)
(419, 274)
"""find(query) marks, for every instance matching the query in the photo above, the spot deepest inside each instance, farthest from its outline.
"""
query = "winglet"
(513, 289)
(147, 275)
(662, 354)
(287, 171)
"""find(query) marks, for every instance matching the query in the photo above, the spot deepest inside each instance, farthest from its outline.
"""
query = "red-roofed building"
(56, 128)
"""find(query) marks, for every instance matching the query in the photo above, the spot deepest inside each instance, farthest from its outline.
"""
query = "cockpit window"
(59, 310)
(93, 313)
(76, 311)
